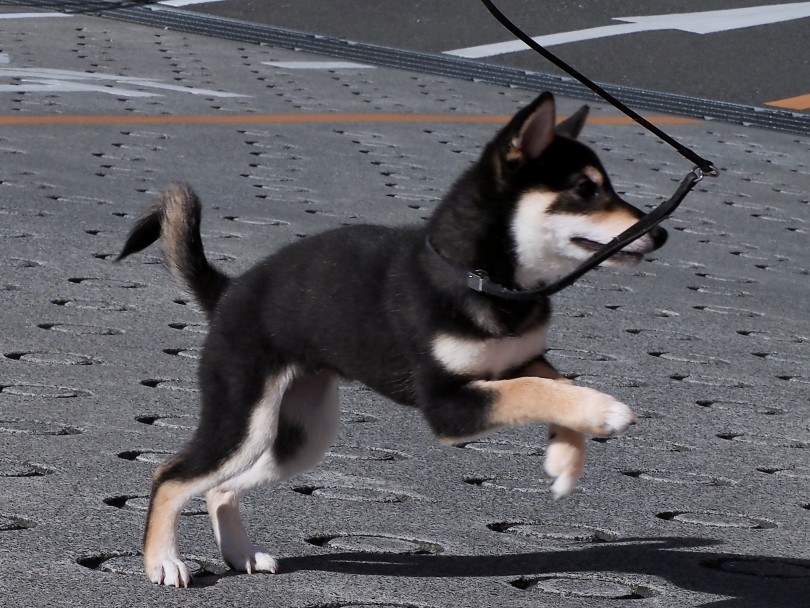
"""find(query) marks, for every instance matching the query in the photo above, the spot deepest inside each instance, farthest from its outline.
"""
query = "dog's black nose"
(658, 236)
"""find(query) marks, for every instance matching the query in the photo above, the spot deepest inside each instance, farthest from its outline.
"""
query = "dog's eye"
(585, 188)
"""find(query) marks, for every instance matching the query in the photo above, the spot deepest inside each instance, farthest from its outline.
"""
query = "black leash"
(478, 280)
(705, 166)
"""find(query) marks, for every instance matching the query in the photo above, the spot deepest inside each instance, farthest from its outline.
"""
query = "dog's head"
(562, 206)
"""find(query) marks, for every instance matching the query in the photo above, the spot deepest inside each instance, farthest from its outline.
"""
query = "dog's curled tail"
(175, 219)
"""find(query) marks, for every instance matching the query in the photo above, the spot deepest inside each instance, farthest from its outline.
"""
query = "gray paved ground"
(706, 502)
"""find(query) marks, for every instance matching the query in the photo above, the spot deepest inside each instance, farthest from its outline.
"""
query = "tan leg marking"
(161, 556)
(531, 400)
(565, 455)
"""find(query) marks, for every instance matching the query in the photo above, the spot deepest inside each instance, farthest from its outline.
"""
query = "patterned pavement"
(706, 502)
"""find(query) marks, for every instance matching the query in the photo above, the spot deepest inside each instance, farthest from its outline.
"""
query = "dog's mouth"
(623, 256)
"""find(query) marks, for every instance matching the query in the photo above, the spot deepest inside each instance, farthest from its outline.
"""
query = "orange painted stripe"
(245, 119)
(625, 120)
(802, 102)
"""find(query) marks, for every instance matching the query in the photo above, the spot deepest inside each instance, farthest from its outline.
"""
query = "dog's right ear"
(531, 130)
(572, 126)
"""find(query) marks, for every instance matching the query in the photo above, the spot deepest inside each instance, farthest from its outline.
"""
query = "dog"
(387, 307)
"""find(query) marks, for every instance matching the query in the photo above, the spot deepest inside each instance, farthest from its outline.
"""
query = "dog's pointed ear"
(531, 130)
(572, 126)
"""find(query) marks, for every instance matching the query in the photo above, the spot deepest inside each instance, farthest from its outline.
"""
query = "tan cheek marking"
(539, 199)
(615, 222)
(528, 223)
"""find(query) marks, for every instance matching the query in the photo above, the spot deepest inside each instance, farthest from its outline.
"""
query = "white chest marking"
(491, 356)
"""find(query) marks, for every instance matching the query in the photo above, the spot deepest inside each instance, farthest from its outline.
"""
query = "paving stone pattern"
(705, 502)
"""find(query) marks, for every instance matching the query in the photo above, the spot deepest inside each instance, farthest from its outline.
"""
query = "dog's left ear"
(534, 130)
(572, 126)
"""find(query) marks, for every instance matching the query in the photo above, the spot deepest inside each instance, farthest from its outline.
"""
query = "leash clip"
(698, 174)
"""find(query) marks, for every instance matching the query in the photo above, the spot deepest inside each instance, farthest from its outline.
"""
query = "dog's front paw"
(606, 417)
(618, 418)
(565, 460)
(169, 570)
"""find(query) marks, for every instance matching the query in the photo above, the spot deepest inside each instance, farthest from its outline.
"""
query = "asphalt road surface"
(704, 503)
(753, 65)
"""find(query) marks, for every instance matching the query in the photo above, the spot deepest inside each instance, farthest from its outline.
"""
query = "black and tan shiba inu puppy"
(382, 306)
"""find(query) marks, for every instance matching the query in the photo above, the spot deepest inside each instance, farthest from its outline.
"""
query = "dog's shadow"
(747, 581)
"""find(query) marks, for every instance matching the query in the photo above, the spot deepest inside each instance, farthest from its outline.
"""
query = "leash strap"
(705, 166)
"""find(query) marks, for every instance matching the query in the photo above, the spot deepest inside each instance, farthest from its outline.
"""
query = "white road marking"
(58, 86)
(31, 15)
(32, 80)
(187, 2)
(704, 22)
(175, 3)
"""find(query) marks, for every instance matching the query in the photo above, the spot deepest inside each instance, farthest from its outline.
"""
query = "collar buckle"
(476, 279)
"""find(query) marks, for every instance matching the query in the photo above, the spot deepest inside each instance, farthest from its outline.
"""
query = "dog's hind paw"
(565, 460)
(253, 560)
(168, 570)
(262, 562)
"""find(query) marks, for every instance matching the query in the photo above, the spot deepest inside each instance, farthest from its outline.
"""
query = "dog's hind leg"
(565, 455)
(171, 490)
(306, 426)
(234, 545)
(206, 463)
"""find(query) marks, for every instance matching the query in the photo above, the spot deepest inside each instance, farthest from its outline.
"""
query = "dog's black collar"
(479, 281)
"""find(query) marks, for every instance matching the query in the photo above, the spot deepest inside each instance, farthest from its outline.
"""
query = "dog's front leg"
(459, 409)
(565, 455)
(571, 411)
(528, 400)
